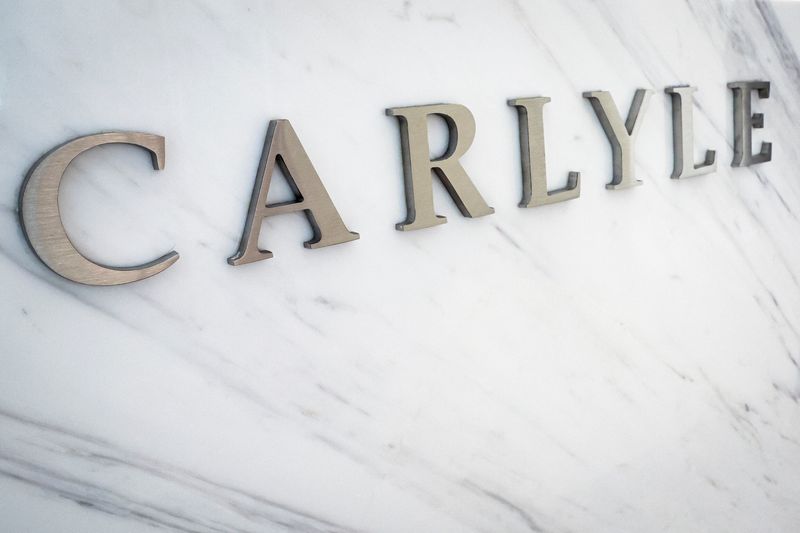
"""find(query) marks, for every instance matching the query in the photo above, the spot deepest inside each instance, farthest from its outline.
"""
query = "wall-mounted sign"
(43, 228)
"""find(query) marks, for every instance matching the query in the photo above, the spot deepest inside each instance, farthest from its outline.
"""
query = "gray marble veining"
(623, 362)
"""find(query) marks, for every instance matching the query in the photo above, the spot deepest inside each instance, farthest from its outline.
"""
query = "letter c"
(41, 220)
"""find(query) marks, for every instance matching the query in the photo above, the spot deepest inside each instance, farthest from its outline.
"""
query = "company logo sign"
(41, 221)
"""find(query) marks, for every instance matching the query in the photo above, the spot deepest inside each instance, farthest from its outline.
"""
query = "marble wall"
(623, 362)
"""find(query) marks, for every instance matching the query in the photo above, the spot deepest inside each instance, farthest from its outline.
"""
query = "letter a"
(283, 147)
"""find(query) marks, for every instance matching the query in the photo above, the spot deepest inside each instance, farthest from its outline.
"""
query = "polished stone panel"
(623, 362)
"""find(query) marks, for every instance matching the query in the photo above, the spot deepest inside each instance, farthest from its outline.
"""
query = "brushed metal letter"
(41, 220)
(532, 155)
(683, 136)
(418, 166)
(744, 122)
(620, 136)
(282, 146)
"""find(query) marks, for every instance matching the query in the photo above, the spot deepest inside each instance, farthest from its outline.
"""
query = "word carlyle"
(43, 228)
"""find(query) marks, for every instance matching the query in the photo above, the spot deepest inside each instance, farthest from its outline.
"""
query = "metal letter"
(283, 147)
(417, 164)
(744, 122)
(41, 220)
(534, 169)
(683, 136)
(621, 136)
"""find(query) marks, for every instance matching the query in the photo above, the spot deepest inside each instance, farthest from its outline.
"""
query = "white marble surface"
(625, 362)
